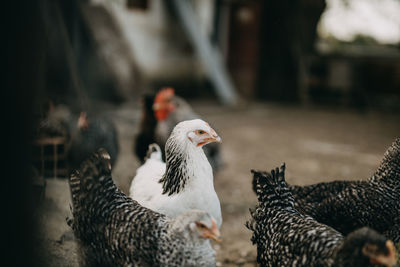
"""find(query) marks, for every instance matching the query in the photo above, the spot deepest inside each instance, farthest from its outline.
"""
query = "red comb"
(162, 106)
(164, 94)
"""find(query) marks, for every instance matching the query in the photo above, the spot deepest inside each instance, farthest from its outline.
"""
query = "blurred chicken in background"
(160, 114)
(55, 121)
(148, 123)
(91, 133)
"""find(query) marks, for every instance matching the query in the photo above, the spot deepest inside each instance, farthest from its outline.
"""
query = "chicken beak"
(83, 122)
(213, 139)
(392, 257)
(214, 136)
(388, 260)
(215, 238)
(210, 137)
(213, 233)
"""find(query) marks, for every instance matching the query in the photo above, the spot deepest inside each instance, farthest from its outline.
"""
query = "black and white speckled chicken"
(285, 237)
(389, 168)
(114, 230)
(348, 205)
(167, 110)
(91, 133)
(309, 196)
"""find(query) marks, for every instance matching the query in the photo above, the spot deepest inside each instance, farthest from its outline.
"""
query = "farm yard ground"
(317, 144)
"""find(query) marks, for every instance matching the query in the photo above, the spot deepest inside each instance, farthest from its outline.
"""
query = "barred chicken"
(114, 230)
(348, 205)
(286, 237)
(308, 197)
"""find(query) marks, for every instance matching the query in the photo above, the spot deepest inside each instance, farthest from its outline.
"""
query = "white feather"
(147, 176)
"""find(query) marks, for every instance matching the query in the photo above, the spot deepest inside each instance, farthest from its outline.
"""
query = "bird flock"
(173, 214)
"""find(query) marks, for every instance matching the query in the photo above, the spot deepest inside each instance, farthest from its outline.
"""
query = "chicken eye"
(201, 226)
(200, 132)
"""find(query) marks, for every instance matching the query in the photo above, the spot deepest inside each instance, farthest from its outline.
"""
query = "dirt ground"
(316, 144)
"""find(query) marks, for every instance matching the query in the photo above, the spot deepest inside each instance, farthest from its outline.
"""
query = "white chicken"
(186, 180)
(170, 109)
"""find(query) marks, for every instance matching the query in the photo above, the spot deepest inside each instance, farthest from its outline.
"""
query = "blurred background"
(313, 83)
(341, 52)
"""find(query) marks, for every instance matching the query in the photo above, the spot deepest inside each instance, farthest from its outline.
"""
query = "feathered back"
(91, 182)
(389, 169)
(95, 170)
(285, 237)
(154, 152)
(272, 190)
(115, 230)
(112, 229)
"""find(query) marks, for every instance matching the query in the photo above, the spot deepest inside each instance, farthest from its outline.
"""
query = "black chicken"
(148, 123)
(90, 134)
(285, 237)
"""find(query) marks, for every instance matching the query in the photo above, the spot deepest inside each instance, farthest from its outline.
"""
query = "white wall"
(158, 45)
